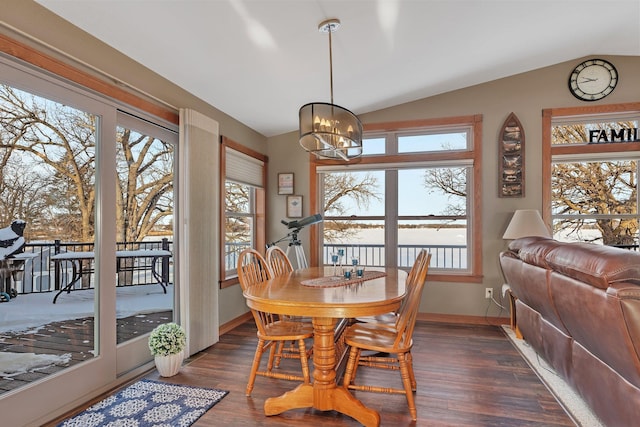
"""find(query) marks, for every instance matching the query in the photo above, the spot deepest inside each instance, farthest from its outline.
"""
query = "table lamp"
(525, 223)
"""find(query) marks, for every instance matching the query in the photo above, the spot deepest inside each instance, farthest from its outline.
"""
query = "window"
(592, 188)
(415, 187)
(243, 208)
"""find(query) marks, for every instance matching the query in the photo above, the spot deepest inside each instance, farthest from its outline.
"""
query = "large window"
(592, 188)
(244, 178)
(415, 187)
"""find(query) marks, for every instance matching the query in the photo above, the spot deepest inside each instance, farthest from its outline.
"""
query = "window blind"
(243, 168)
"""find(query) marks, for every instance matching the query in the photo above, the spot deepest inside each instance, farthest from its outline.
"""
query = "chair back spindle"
(278, 261)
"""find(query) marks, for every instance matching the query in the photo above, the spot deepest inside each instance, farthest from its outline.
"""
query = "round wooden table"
(326, 304)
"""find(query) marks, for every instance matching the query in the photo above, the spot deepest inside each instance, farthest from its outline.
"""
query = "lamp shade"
(526, 223)
(330, 131)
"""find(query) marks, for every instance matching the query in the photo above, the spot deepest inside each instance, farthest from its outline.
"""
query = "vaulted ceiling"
(260, 60)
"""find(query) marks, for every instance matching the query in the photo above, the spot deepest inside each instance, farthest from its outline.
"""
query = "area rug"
(564, 394)
(149, 403)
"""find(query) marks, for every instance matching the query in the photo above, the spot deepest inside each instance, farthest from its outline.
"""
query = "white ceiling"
(260, 60)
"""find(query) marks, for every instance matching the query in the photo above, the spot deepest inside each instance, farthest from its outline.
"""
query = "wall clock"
(593, 80)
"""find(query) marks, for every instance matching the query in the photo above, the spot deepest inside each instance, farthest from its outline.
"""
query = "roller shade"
(243, 168)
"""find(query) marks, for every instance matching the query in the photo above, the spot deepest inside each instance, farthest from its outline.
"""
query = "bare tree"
(237, 200)
(145, 175)
(595, 188)
(339, 188)
(56, 145)
(453, 183)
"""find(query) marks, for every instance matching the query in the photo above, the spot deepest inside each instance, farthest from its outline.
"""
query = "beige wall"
(526, 95)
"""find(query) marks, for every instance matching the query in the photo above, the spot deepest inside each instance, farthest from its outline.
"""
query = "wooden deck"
(72, 336)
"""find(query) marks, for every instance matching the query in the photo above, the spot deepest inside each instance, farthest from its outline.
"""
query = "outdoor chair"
(273, 331)
(393, 339)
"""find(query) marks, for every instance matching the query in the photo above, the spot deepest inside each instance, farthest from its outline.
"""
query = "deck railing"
(373, 255)
(39, 274)
(442, 256)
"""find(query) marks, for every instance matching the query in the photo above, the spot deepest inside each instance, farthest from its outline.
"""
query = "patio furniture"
(76, 259)
(11, 244)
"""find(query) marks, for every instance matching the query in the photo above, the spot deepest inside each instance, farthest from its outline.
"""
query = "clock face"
(593, 80)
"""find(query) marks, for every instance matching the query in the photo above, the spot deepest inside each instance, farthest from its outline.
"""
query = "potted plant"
(167, 343)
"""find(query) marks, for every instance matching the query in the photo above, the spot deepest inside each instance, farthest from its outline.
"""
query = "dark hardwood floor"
(468, 375)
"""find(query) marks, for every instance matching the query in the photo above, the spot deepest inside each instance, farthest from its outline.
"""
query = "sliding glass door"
(87, 199)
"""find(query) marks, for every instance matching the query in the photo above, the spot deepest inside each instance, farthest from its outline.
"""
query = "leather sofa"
(578, 306)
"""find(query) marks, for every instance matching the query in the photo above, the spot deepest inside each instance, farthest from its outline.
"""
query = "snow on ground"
(12, 364)
(31, 311)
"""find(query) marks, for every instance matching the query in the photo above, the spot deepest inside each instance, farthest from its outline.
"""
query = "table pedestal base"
(323, 394)
(337, 399)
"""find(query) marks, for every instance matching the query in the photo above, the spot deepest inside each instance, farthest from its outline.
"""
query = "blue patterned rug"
(149, 403)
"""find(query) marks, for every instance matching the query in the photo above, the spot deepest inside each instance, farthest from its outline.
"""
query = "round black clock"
(593, 80)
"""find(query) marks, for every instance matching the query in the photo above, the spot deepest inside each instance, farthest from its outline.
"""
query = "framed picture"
(285, 183)
(294, 206)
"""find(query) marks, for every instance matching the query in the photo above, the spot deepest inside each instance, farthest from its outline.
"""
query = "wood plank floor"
(468, 375)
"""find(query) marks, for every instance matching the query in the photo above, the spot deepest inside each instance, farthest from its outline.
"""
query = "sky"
(413, 197)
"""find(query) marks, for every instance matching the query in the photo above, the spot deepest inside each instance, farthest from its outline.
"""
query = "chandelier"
(328, 130)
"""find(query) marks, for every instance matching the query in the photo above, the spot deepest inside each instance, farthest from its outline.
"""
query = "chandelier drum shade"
(328, 130)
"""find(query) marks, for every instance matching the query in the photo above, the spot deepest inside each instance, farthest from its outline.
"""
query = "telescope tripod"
(301, 259)
(295, 251)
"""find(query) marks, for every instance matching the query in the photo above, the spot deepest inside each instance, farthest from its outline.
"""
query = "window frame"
(585, 152)
(258, 201)
(472, 154)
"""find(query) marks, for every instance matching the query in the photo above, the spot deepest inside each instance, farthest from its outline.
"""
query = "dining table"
(326, 296)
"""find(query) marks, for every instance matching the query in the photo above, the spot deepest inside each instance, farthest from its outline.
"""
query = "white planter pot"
(170, 365)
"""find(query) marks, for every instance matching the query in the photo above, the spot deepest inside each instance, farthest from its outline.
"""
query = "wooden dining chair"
(278, 261)
(253, 270)
(281, 264)
(418, 269)
(396, 339)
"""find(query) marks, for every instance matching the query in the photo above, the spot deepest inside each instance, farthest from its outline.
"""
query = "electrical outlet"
(488, 293)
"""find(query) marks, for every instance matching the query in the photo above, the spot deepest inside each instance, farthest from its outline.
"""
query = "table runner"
(335, 281)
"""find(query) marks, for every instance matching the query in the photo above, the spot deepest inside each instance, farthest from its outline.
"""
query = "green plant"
(166, 339)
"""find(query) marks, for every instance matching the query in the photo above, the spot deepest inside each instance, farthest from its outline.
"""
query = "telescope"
(294, 243)
(310, 220)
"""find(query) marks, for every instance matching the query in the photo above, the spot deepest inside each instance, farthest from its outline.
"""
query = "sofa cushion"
(517, 244)
(534, 250)
(596, 265)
